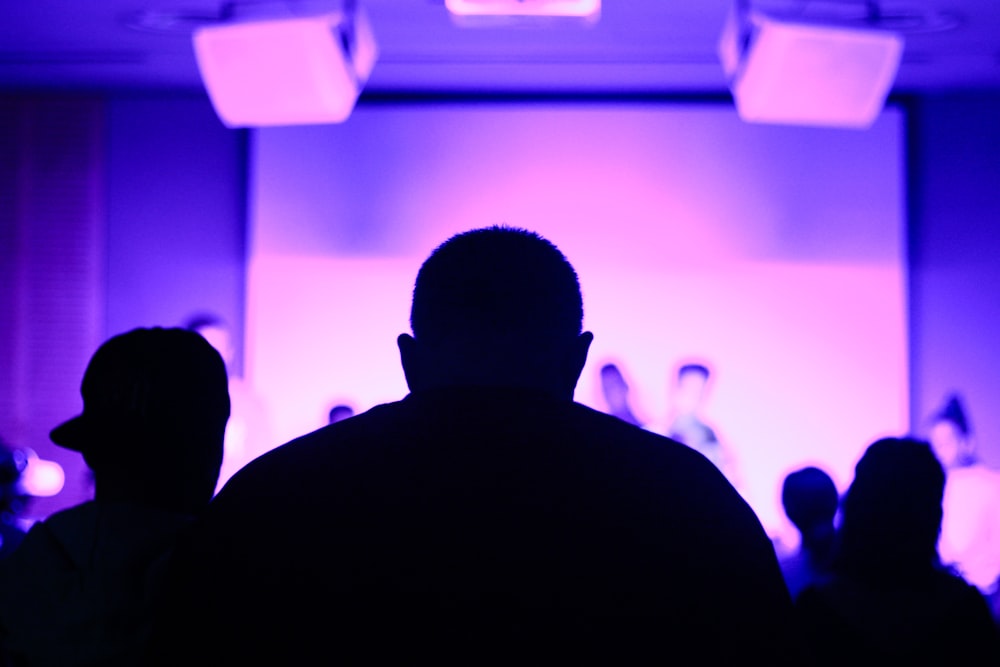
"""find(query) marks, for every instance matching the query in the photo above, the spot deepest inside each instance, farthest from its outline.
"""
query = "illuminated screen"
(772, 253)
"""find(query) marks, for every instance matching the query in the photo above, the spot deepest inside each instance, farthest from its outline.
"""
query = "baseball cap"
(148, 382)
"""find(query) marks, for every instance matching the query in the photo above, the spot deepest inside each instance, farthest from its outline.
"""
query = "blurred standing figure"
(970, 529)
(248, 433)
(687, 422)
(81, 587)
(615, 390)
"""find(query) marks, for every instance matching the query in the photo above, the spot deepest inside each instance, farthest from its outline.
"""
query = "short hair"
(339, 411)
(497, 280)
(809, 497)
(891, 514)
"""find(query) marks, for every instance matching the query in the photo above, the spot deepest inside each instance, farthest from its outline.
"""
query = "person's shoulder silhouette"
(486, 517)
(80, 588)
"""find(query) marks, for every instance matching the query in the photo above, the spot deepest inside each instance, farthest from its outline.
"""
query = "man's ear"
(409, 358)
(578, 358)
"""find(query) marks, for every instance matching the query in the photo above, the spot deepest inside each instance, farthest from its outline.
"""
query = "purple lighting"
(772, 252)
(580, 8)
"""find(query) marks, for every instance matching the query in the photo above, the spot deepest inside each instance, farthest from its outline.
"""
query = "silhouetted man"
(80, 588)
(486, 518)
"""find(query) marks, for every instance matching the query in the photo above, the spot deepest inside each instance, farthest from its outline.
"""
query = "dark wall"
(176, 233)
(52, 232)
(955, 259)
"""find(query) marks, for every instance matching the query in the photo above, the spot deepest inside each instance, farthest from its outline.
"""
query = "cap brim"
(72, 434)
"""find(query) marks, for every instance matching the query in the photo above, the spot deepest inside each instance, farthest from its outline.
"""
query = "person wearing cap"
(484, 519)
(80, 588)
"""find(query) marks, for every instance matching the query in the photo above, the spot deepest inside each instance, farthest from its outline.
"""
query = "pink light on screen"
(693, 234)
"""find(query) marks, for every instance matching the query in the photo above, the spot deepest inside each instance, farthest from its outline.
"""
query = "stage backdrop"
(773, 253)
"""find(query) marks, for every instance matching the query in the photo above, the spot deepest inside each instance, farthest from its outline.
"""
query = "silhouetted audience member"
(339, 412)
(485, 518)
(80, 589)
(889, 602)
(970, 528)
(248, 432)
(615, 391)
(12, 498)
(810, 500)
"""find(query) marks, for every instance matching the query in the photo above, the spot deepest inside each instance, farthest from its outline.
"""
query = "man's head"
(891, 515)
(339, 412)
(497, 306)
(810, 498)
(155, 407)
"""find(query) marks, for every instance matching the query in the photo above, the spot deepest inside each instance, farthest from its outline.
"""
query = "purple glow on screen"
(774, 253)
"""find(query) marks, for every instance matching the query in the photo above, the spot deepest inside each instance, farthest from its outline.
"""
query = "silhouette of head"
(891, 514)
(810, 499)
(498, 306)
(340, 412)
(950, 435)
(155, 407)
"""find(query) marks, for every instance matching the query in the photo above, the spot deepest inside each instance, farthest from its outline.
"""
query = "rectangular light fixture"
(286, 71)
(574, 8)
(806, 73)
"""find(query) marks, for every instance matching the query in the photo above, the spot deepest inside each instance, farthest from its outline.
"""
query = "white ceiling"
(637, 46)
